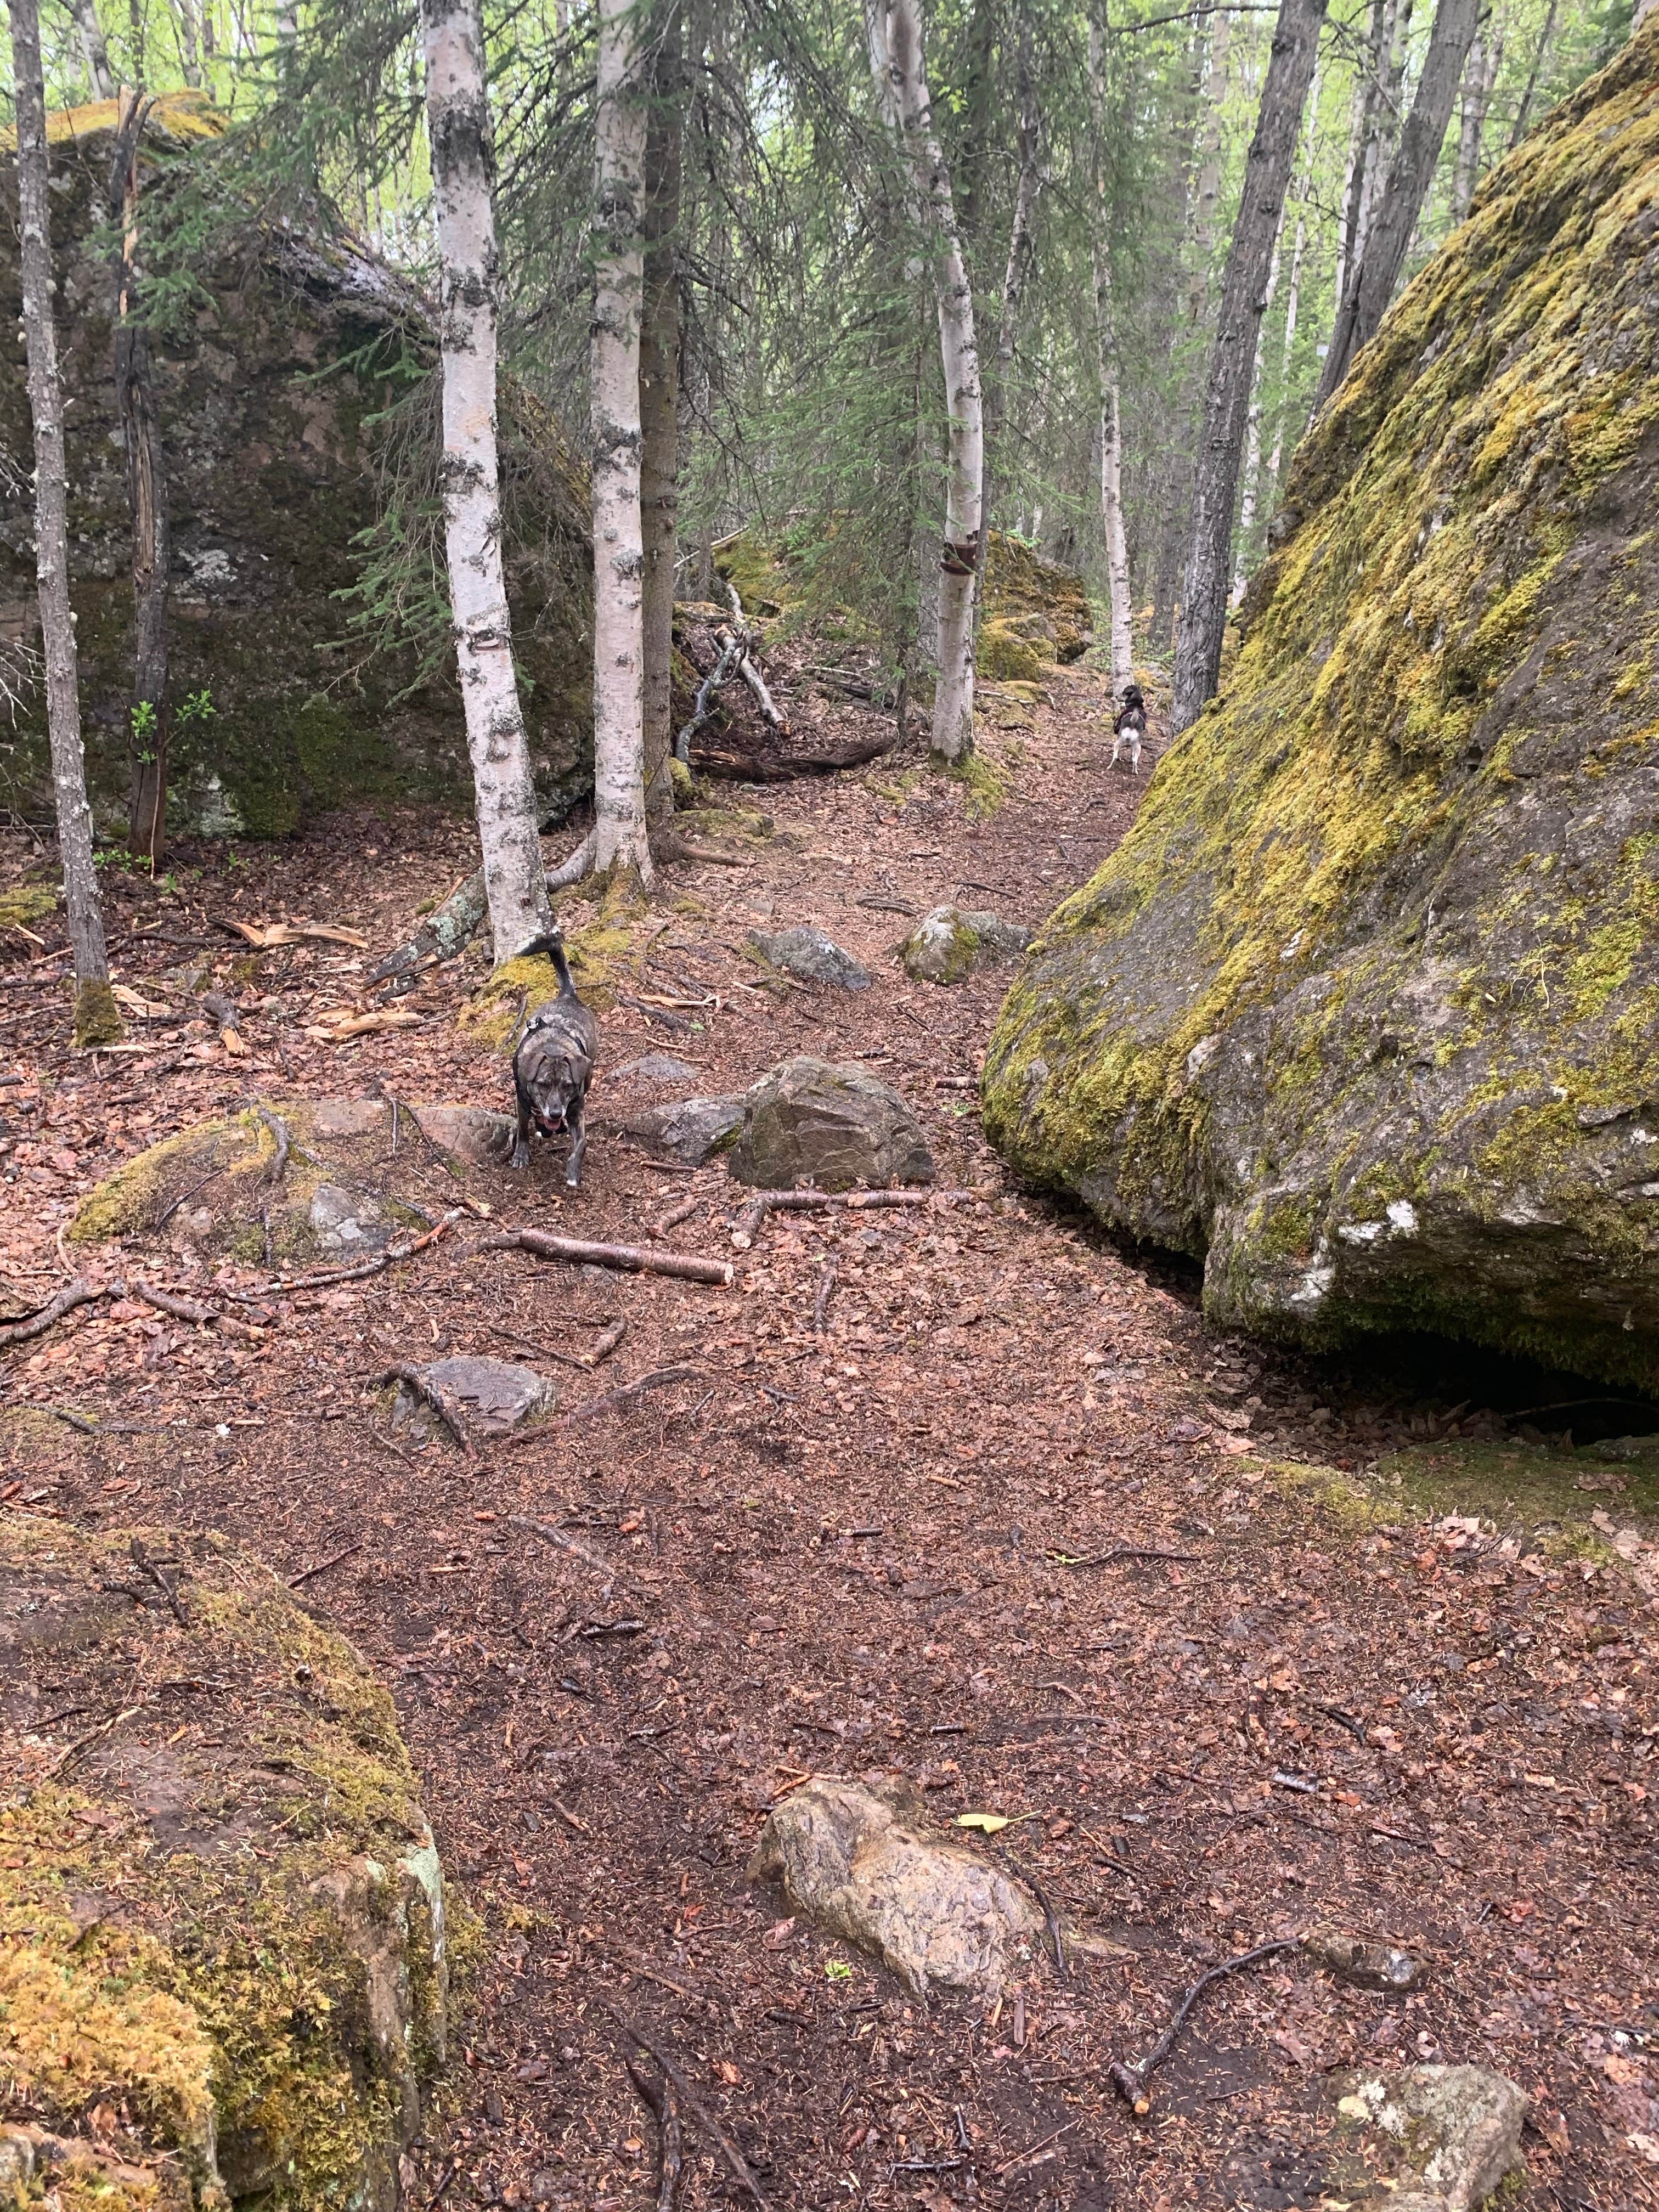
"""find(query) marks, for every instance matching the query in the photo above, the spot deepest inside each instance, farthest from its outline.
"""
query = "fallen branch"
(577, 1550)
(447, 930)
(1123, 1552)
(821, 1303)
(1131, 2081)
(169, 1302)
(392, 1256)
(278, 1129)
(435, 1396)
(737, 2165)
(632, 1259)
(730, 653)
(146, 1566)
(819, 1202)
(658, 2098)
(629, 1391)
(676, 1214)
(80, 1292)
(310, 1575)
(606, 1342)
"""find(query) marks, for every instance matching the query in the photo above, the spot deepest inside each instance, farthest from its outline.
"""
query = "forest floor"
(1208, 1622)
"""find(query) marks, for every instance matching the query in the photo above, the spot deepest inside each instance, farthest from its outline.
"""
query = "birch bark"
(1479, 78)
(1021, 248)
(85, 13)
(1215, 483)
(189, 45)
(96, 1020)
(660, 389)
(1111, 428)
(619, 831)
(953, 738)
(1292, 300)
(463, 165)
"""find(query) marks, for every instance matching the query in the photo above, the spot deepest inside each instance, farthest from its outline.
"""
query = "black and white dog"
(1129, 727)
(553, 1065)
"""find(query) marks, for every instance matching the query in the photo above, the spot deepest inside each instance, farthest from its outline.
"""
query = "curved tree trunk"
(660, 391)
(1372, 285)
(952, 736)
(463, 167)
(619, 834)
(1215, 484)
(96, 1021)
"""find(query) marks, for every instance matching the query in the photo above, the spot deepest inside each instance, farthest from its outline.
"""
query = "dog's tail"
(551, 942)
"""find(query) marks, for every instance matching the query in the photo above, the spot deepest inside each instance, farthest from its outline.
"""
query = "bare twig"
(322, 1566)
(392, 1257)
(1131, 2082)
(435, 1396)
(1123, 1552)
(577, 1550)
(737, 2165)
(632, 1259)
(146, 1566)
(819, 1202)
(81, 1743)
(80, 1292)
(629, 1391)
(658, 2097)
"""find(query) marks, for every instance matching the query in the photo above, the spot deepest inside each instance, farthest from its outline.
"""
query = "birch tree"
(1375, 273)
(463, 166)
(96, 1020)
(1111, 430)
(1215, 483)
(1021, 250)
(1485, 57)
(659, 391)
(895, 48)
(85, 13)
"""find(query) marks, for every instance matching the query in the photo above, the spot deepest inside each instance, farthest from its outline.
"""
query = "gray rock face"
(496, 1395)
(832, 1126)
(466, 1133)
(1444, 2136)
(1363, 1964)
(856, 1859)
(689, 1130)
(347, 1221)
(947, 944)
(656, 1068)
(805, 951)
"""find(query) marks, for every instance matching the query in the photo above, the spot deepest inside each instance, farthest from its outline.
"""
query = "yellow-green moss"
(1005, 657)
(97, 1016)
(23, 905)
(984, 786)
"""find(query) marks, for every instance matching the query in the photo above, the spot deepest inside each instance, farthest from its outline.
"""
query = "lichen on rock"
(1363, 1009)
(223, 1916)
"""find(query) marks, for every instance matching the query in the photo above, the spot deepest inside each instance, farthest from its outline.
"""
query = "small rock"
(809, 1122)
(805, 951)
(691, 1130)
(466, 1133)
(347, 1221)
(1444, 2136)
(349, 1117)
(1618, 1448)
(656, 1068)
(1366, 1965)
(947, 944)
(495, 1394)
(854, 1857)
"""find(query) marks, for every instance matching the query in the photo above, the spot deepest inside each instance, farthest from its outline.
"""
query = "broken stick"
(818, 1201)
(736, 2162)
(629, 1391)
(577, 1550)
(1131, 2082)
(435, 1396)
(658, 2097)
(632, 1259)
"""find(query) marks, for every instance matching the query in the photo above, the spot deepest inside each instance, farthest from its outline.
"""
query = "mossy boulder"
(830, 1126)
(948, 944)
(267, 387)
(1364, 1008)
(1003, 656)
(221, 1913)
(1028, 599)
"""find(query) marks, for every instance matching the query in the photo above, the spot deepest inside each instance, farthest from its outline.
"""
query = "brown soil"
(887, 1545)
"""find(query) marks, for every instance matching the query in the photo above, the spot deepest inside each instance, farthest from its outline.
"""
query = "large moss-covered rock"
(1364, 1009)
(266, 388)
(222, 1959)
(810, 1121)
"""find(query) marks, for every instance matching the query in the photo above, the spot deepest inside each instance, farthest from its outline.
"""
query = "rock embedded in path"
(656, 1068)
(806, 952)
(472, 1134)
(947, 944)
(691, 1131)
(1361, 1964)
(1428, 2138)
(233, 1905)
(1362, 1009)
(856, 1858)
(494, 1396)
(831, 1126)
(347, 1222)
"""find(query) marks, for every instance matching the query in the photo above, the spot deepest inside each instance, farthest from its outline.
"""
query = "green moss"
(97, 1016)
(22, 905)
(1003, 656)
(984, 786)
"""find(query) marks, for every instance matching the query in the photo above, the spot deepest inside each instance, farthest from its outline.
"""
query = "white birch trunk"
(1252, 429)
(1293, 299)
(96, 1019)
(1111, 428)
(189, 45)
(1208, 194)
(619, 825)
(463, 163)
(953, 697)
(85, 13)
(1479, 75)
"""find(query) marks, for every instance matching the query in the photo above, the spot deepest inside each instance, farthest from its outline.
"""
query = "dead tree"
(96, 1020)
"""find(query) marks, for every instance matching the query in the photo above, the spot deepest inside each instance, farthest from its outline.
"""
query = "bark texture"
(1021, 249)
(1479, 78)
(148, 724)
(1111, 432)
(660, 385)
(96, 1015)
(85, 13)
(1215, 485)
(1375, 274)
(463, 164)
(619, 834)
(189, 44)
(1292, 303)
(953, 738)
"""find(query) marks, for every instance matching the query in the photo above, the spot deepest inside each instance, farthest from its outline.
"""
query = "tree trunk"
(1111, 430)
(1362, 143)
(150, 724)
(1479, 78)
(189, 45)
(85, 13)
(1208, 196)
(1020, 249)
(1292, 301)
(1252, 429)
(952, 736)
(96, 1020)
(660, 391)
(619, 832)
(463, 166)
(1215, 484)
(1372, 284)
(1523, 112)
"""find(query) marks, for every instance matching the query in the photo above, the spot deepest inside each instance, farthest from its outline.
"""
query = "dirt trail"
(889, 1543)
